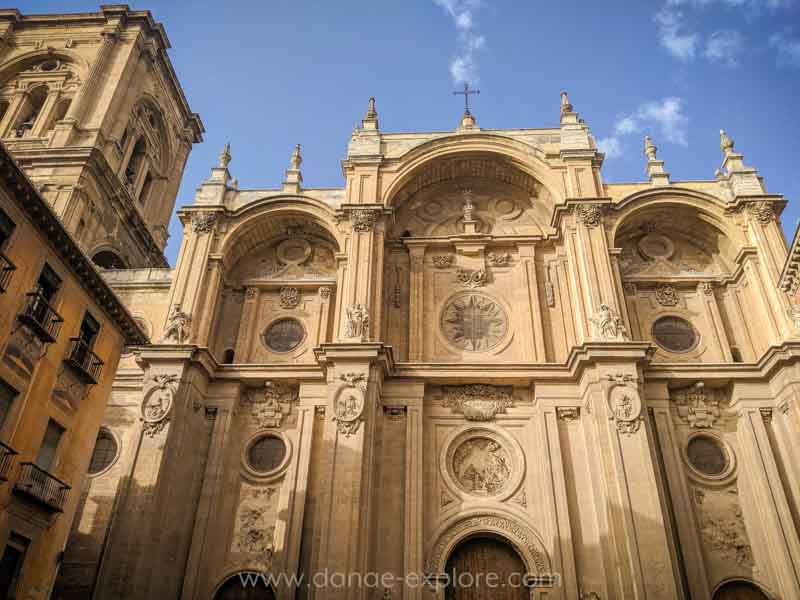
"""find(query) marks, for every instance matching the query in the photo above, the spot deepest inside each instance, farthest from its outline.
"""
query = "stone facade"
(91, 108)
(476, 336)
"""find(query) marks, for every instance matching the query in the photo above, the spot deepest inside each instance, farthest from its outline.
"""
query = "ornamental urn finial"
(650, 149)
(725, 142)
(565, 104)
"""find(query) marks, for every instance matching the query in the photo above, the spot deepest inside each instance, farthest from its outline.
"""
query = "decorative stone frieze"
(324, 293)
(762, 212)
(477, 401)
(363, 219)
(442, 261)
(568, 413)
(498, 259)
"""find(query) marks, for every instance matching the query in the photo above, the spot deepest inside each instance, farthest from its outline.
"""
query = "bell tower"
(91, 108)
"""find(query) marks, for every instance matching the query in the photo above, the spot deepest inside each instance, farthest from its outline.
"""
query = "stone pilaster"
(355, 374)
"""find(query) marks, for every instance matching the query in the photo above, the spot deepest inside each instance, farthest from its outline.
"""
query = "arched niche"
(475, 557)
(280, 280)
(506, 199)
(674, 240)
(108, 259)
(740, 589)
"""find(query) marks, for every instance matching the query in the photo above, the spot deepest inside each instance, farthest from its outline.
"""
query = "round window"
(707, 455)
(674, 334)
(266, 454)
(105, 451)
(284, 335)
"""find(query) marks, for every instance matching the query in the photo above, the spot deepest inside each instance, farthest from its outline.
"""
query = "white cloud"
(787, 48)
(725, 46)
(611, 146)
(672, 33)
(665, 117)
(464, 67)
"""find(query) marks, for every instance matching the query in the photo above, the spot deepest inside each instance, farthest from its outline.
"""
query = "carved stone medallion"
(348, 404)
(289, 297)
(666, 295)
(481, 466)
(157, 404)
(473, 322)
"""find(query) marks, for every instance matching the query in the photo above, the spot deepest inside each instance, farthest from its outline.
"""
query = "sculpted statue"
(356, 322)
(609, 326)
(177, 327)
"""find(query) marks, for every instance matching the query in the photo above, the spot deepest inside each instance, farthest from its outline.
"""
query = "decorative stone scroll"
(471, 278)
(356, 322)
(608, 325)
(762, 212)
(442, 261)
(177, 329)
(477, 401)
(203, 222)
(349, 403)
(589, 215)
(498, 259)
(289, 297)
(157, 404)
(666, 295)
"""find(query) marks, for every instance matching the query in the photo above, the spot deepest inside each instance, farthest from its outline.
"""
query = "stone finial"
(566, 107)
(296, 159)
(293, 175)
(225, 156)
(370, 120)
(725, 143)
(371, 112)
(650, 149)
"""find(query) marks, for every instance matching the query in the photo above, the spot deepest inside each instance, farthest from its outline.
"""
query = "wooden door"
(485, 568)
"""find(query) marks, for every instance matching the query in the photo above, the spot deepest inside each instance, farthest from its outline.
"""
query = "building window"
(48, 284)
(736, 354)
(266, 454)
(7, 396)
(707, 455)
(228, 356)
(6, 228)
(146, 187)
(106, 259)
(11, 564)
(46, 457)
(135, 163)
(31, 110)
(284, 335)
(675, 334)
(105, 452)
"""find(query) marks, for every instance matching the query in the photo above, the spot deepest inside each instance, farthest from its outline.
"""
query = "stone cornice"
(41, 215)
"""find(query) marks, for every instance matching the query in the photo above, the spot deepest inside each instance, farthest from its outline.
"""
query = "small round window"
(707, 455)
(674, 334)
(284, 335)
(105, 451)
(266, 454)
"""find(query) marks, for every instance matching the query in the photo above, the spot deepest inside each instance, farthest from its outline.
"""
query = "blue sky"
(267, 75)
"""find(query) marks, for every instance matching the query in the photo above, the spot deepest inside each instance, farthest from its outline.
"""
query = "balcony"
(7, 454)
(41, 487)
(86, 364)
(42, 318)
(6, 270)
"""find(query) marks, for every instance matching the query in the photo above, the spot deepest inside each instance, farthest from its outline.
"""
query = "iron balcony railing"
(41, 486)
(7, 454)
(42, 318)
(7, 268)
(85, 362)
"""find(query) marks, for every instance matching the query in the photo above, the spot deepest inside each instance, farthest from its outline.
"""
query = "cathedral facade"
(475, 355)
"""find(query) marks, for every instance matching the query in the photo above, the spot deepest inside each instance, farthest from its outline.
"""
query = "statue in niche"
(609, 326)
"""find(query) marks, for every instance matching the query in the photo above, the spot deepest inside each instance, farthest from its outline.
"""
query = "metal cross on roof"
(466, 93)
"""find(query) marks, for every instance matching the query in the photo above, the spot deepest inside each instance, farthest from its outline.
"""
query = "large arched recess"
(20, 63)
(265, 219)
(522, 156)
(709, 209)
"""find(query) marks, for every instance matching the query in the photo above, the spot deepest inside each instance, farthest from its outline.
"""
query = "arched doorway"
(244, 586)
(484, 567)
(739, 590)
